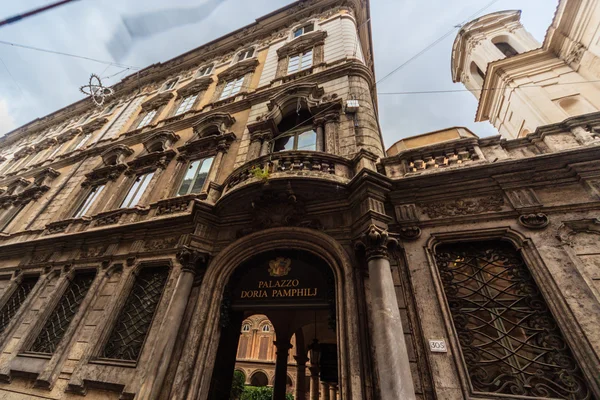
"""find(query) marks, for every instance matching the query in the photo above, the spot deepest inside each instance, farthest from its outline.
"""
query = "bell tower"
(520, 84)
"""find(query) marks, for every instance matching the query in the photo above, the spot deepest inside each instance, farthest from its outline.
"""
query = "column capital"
(301, 360)
(192, 260)
(375, 242)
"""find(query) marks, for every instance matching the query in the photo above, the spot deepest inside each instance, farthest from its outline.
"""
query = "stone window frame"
(245, 52)
(313, 22)
(117, 305)
(243, 69)
(118, 375)
(546, 284)
(198, 86)
(314, 40)
(205, 74)
(47, 372)
(86, 133)
(212, 138)
(157, 103)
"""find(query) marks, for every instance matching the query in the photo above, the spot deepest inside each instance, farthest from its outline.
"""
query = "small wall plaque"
(438, 346)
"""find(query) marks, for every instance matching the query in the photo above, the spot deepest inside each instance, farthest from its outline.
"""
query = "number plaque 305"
(438, 346)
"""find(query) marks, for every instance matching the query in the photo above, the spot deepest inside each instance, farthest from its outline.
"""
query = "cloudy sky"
(33, 84)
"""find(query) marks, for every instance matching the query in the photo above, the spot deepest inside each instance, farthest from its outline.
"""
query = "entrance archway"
(199, 360)
(296, 291)
(259, 378)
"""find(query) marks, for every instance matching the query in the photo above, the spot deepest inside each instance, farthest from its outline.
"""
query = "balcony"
(286, 164)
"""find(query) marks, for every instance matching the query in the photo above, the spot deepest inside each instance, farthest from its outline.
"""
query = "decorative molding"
(302, 43)
(193, 261)
(165, 138)
(568, 229)
(157, 101)
(167, 242)
(452, 208)
(196, 86)
(45, 176)
(375, 243)
(150, 162)
(93, 126)
(238, 69)
(410, 233)
(534, 221)
(206, 146)
(102, 175)
(174, 205)
(219, 120)
(119, 151)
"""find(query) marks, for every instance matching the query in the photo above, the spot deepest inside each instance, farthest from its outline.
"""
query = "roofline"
(436, 131)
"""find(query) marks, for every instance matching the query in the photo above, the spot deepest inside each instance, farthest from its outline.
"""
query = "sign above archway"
(284, 278)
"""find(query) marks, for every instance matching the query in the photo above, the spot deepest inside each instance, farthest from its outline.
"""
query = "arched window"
(266, 328)
(510, 341)
(296, 133)
(506, 49)
(304, 29)
(477, 73)
(205, 71)
(259, 379)
(245, 54)
(246, 328)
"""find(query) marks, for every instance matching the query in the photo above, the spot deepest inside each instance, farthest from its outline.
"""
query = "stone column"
(391, 356)
(192, 263)
(265, 146)
(279, 388)
(300, 377)
(222, 148)
(254, 149)
(324, 391)
(320, 138)
(332, 391)
(314, 383)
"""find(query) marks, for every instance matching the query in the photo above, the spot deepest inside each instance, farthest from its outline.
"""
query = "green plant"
(260, 173)
(261, 393)
(237, 386)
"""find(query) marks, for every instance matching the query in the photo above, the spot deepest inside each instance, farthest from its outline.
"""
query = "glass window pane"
(132, 191)
(307, 140)
(202, 175)
(89, 201)
(307, 59)
(227, 90)
(143, 186)
(237, 87)
(188, 179)
(293, 65)
(309, 28)
(298, 32)
(284, 144)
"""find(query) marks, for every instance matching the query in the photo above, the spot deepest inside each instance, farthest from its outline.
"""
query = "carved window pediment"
(24, 152)
(160, 141)
(70, 134)
(150, 162)
(157, 101)
(206, 146)
(46, 176)
(239, 69)
(93, 126)
(44, 144)
(218, 123)
(116, 155)
(196, 86)
(104, 174)
(302, 43)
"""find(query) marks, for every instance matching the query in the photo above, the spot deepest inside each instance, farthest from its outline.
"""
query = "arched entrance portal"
(296, 291)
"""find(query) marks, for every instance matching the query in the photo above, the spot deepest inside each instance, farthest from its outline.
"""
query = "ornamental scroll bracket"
(375, 242)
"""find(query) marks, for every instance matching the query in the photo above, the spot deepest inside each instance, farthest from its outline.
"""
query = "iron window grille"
(57, 324)
(15, 301)
(133, 323)
(137, 190)
(509, 339)
(195, 176)
(89, 201)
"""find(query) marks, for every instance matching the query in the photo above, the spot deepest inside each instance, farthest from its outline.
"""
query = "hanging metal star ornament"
(96, 90)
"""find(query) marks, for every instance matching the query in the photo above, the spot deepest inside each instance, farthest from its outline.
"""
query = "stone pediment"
(150, 162)
(104, 174)
(213, 123)
(196, 86)
(302, 43)
(116, 154)
(206, 145)
(239, 69)
(93, 126)
(157, 101)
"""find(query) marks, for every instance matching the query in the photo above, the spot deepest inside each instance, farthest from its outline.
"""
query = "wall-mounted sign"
(438, 346)
(282, 279)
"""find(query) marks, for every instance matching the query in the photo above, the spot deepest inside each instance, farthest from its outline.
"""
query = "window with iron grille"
(57, 324)
(133, 323)
(16, 299)
(510, 341)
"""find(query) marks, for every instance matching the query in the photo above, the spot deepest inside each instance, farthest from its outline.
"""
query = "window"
(57, 324)
(300, 62)
(232, 88)
(206, 70)
(170, 84)
(246, 328)
(506, 49)
(302, 140)
(83, 141)
(16, 299)
(147, 119)
(195, 177)
(9, 216)
(56, 150)
(133, 323)
(266, 328)
(244, 55)
(137, 190)
(305, 29)
(510, 340)
(89, 201)
(186, 104)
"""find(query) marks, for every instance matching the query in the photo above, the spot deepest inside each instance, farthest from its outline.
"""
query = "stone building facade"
(248, 178)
